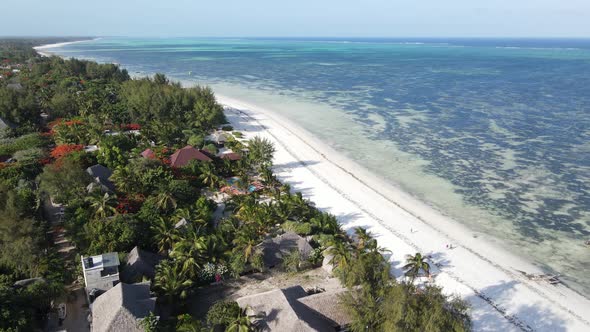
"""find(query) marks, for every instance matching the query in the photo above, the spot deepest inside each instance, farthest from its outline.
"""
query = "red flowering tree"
(63, 150)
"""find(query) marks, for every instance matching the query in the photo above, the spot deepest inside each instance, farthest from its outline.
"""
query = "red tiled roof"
(231, 156)
(148, 153)
(183, 156)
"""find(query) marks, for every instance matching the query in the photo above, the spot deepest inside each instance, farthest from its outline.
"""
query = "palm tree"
(208, 175)
(123, 179)
(363, 238)
(191, 251)
(102, 205)
(414, 264)
(325, 223)
(165, 234)
(165, 200)
(340, 255)
(246, 243)
(171, 281)
(241, 323)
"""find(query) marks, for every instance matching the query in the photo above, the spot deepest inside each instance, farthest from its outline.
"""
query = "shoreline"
(478, 270)
(401, 223)
(39, 48)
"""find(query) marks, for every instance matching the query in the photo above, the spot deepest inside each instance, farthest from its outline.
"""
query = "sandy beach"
(40, 49)
(475, 268)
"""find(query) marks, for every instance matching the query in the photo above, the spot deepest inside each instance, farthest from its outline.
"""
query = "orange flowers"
(63, 150)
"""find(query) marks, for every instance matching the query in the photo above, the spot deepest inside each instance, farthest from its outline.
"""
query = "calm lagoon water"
(494, 133)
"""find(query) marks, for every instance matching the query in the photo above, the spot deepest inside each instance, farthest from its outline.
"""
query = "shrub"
(257, 260)
(211, 148)
(222, 313)
(316, 256)
(292, 261)
(238, 134)
(227, 128)
(301, 228)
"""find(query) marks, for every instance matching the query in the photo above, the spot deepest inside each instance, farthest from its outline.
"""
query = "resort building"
(183, 156)
(101, 273)
(292, 309)
(148, 154)
(122, 308)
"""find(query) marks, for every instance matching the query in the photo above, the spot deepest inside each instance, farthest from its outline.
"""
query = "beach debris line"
(553, 279)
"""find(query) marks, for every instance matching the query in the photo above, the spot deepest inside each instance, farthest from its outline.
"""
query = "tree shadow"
(526, 317)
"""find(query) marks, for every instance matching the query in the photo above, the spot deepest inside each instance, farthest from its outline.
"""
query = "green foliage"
(261, 151)
(292, 261)
(29, 156)
(227, 128)
(150, 322)
(112, 234)
(237, 134)
(171, 282)
(26, 308)
(8, 146)
(301, 228)
(64, 181)
(223, 313)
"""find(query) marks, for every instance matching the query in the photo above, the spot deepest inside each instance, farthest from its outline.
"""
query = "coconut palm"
(165, 200)
(414, 264)
(325, 223)
(191, 251)
(123, 179)
(341, 256)
(171, 281)
(165, 234)
(207, 175)
(363, 238)
(246, 243)
(102, 205)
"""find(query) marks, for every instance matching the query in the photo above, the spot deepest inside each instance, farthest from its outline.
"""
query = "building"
(122, 308)
(148, 154)
(230, 156)
(140, 264)
(184, 156)
(292, 309)
(273, 249)
(101, 273)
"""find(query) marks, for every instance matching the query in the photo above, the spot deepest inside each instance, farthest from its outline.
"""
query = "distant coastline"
(41, 48)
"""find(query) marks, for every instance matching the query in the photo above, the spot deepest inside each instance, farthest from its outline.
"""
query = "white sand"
(42, 49)
(478, 270)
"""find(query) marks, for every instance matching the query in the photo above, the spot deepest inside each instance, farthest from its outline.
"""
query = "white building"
(101, 273)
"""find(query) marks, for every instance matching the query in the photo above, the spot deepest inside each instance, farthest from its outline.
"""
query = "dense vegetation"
(62, 107)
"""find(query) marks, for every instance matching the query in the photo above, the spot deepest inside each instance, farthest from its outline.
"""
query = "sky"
(301, 18)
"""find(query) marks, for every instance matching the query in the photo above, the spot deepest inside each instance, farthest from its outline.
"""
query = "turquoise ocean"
(493, 133)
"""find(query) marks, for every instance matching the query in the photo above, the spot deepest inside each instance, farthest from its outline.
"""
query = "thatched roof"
(273, 249)
(183, 156)
(327, 306)
(140, 263)
(280, 311)
(122, 307)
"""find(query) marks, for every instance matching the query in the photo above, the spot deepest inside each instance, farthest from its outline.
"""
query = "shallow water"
(494, 133)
